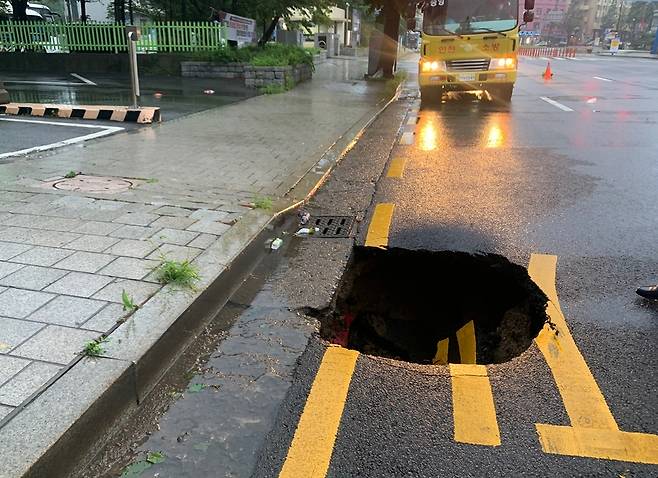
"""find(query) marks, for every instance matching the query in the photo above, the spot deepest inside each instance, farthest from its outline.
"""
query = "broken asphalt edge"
(81, 410)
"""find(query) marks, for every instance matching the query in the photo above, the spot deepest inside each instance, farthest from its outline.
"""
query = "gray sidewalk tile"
(23, 220)
(62, 224)
(73, 202)
(172, 222)
(173, 211)
(132, 248)
(27, 382)
(174, 236)
(129, 268)
(78, 284)
(208, 215)
(19, 303)
(42, 256)
(15, 196)
(89, 243)
(136, 218)
(176, 253)
(134, 232)
(138, 290)
(32, 277)
(209, 227)
(55, 344)
(106, 318)
(7, 268)
(203, 241)
(10, 366)
(97, 227)
(110, 205)
(4, 216)
(4, 411)
(85, 262)
(9, 250)
(66, 310)
(36, 237)
(15, 331)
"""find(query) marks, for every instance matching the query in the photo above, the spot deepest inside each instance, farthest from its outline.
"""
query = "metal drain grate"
(332, 226)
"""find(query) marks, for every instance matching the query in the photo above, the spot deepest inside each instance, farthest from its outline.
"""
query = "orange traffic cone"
(548, 74)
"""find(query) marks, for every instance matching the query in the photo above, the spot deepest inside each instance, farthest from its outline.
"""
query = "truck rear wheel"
(501, 93)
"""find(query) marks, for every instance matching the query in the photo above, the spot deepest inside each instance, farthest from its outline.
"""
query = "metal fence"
(156, 37)
(548, 52)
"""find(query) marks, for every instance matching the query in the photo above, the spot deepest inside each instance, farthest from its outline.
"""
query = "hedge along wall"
(254, 76)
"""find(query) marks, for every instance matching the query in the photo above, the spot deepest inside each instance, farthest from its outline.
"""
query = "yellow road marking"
(441, 357)
(379, 225)
(473, 406)
(593, 432)
(396, 169)
(310, 452)
(466, 342)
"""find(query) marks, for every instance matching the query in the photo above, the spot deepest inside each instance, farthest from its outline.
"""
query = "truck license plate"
(466, 77)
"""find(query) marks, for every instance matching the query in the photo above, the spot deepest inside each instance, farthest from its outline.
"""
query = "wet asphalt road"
(528, 178)
(513, 180)
(179, 97)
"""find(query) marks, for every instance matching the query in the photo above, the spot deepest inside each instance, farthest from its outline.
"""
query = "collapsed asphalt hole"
(434, 307)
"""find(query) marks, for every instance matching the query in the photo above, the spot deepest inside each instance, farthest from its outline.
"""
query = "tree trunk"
(83, 11)
(268, 33)
(19, 7)
(390, 44)
(130, 12)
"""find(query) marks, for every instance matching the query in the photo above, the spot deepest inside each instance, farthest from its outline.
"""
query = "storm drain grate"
(332, 226)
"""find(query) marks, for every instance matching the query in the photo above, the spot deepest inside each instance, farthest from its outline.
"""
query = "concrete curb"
(51, 436)
(647, 57)
(144, 115)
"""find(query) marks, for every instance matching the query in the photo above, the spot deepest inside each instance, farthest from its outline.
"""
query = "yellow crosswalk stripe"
(473, 407)
(593, 432)
(379, 225)
(312, 446)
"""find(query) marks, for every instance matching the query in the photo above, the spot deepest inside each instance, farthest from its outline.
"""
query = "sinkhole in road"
(435, 307)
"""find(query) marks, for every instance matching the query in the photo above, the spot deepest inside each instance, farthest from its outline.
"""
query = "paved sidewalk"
(67, 256)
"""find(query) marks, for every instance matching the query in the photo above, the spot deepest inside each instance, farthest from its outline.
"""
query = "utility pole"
(83, 11)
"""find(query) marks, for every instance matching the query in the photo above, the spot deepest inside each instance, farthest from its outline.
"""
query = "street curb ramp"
(52, 436)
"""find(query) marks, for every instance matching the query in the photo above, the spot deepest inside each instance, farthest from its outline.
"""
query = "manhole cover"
(93, 184)
(332, 226)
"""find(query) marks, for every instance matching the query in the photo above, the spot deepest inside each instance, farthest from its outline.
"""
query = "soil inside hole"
(401, 304)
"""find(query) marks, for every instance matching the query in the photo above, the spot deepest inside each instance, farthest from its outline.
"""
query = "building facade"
(548, 24)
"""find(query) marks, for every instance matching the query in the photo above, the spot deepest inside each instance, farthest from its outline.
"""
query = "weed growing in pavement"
(128, 302)
(70, 174)
(94, 348)
(263, 203)
(155, 457)
(180, 273)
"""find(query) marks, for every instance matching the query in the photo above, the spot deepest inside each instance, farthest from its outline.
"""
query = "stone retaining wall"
(254, 76)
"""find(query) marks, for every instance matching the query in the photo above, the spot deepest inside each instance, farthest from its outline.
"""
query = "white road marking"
(555, 103)
(559, 58)
(44, 83)
(82, 78)
(602, 79)
(105, 130)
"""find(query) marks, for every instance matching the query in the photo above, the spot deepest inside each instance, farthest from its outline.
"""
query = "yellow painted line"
(396, 169)
(310, 452)
(441, 357)
(379, 225)
(473, 407)
(466, 342)
(593, 432)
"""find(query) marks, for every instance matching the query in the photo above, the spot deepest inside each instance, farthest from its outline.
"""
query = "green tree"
(609, 20)
(573, 19)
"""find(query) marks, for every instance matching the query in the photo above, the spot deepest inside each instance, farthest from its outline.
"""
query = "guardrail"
(549, 52)
(110, 37)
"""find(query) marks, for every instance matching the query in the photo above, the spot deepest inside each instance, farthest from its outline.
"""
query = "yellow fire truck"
(470, 45)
